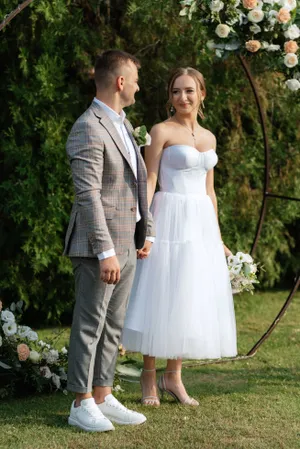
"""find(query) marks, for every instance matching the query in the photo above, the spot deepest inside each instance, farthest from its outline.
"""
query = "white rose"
(222, 30)
(290, 60)
(64, 350)
(288, 4)
(293, 84)
(255, 15)
(216, 5)
(270, 2)
(255, 28)
(56, 380)
(9, 328)
(45, 372)
(273, 47)
(7, 316)
(293, 32)
(32, 336)
(23, 331)
(34, 356)
(210, 44)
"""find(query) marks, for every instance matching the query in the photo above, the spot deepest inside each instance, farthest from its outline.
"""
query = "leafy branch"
(14, 13)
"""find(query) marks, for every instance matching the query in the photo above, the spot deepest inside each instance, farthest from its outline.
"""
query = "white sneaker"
(116, 412)
(88, 417)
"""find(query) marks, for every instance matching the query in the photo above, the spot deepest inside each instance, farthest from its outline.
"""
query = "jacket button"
(133, 209)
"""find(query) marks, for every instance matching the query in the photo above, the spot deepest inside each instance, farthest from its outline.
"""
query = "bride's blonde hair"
(200, 83)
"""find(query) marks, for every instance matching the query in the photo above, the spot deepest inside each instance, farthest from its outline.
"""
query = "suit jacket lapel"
(140, 160)
(110, 127)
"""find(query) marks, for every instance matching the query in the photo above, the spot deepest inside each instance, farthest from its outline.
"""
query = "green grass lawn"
(244, 404)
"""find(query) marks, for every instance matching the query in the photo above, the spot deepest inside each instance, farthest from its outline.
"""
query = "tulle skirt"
(181, 303)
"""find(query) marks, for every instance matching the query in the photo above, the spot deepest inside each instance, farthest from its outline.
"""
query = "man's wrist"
(109, 253)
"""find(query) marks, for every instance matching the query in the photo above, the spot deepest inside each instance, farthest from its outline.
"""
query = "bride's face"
(185, 96)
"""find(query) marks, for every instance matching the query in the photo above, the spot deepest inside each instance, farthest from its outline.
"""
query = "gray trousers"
(98, 321)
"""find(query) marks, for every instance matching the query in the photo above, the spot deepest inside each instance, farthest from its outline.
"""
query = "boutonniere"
(141, 136)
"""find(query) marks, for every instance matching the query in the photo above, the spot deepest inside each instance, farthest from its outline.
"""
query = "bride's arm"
(153, 155)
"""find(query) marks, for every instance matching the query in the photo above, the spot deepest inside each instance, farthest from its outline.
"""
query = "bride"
(181, 303)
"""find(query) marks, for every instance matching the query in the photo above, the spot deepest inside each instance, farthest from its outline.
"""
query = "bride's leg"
(148, 382)
(172, 381)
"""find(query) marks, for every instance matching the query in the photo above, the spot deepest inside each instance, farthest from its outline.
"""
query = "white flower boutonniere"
(141, 136)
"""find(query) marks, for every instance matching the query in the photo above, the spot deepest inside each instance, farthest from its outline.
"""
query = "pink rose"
(23, 352)
(291, 47)
(253, 46)
(283, 15)
(249, 4)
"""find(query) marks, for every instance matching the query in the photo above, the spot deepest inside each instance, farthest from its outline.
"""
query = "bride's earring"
(172, 109)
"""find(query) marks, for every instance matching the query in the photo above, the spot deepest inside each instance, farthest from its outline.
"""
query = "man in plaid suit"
(109, 221)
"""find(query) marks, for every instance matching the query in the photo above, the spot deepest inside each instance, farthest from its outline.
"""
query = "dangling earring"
(172, 109)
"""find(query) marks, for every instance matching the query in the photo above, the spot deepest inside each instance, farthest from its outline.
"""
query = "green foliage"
(47, 53)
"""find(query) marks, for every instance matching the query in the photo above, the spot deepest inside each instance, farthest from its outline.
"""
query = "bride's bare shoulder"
(209, 137)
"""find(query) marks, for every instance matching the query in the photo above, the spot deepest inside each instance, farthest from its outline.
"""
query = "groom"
(109, 220)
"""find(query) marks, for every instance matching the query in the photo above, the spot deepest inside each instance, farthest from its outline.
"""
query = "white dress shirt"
(118, 121)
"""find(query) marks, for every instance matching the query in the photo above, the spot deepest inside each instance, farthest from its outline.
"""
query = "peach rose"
(253, 46)
(23, 352)
(249, 4)
(291, 47)
(283, 15)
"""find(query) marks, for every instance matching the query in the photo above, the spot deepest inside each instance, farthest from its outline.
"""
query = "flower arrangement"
(27, 364)
(141, 136)
(242, 272)
(268, 28)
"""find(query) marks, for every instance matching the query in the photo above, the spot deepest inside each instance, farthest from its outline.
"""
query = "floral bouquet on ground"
(242, 272)
(27, 364)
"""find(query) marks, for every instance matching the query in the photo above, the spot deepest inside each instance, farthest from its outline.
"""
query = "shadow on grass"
(52, 410)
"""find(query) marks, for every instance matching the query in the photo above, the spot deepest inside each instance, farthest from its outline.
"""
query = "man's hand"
(145, 251)
(110, 270)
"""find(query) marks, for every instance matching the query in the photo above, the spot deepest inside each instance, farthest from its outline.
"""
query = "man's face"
(130, 83)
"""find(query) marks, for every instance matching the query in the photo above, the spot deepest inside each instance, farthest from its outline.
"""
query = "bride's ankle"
(173, 375)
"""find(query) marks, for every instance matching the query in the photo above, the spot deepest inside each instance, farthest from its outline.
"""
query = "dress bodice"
(183, 169)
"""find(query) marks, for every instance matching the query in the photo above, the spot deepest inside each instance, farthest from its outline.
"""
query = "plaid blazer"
(106, 190)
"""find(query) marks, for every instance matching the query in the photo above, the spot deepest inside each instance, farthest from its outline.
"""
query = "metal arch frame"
(266, 196)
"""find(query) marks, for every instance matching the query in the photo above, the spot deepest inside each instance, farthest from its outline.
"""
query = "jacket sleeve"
(85, 150)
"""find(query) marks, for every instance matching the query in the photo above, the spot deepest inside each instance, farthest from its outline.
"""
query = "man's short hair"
(108, 63)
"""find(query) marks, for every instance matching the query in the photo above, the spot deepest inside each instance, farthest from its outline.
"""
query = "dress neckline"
(188, 146)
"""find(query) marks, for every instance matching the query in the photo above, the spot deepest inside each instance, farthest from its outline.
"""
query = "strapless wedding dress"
(181, 303)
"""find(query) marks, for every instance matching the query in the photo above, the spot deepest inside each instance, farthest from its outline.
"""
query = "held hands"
(145, 251)
(110, 270)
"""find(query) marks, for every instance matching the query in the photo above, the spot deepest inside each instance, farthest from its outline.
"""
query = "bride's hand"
(227, 251)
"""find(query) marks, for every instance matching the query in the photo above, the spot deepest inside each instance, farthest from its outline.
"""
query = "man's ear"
(120, 82)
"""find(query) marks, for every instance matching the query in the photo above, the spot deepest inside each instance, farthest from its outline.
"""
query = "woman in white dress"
(181, 303)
